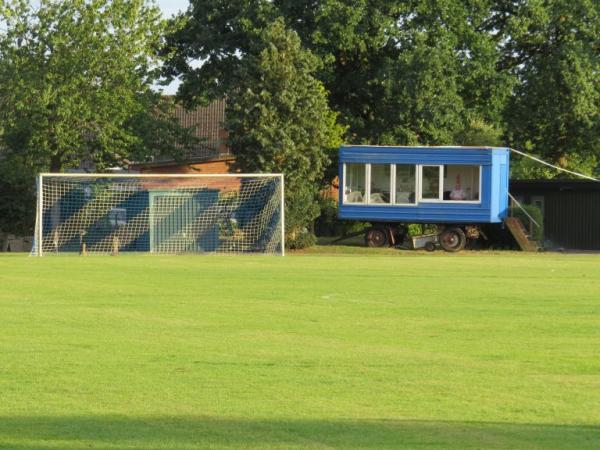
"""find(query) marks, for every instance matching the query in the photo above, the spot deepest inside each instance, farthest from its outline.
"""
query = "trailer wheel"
(376, 237)
(453, 239)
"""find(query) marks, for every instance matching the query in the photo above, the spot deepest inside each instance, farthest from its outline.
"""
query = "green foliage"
(552, 48)
(522, 168)
(479, 132)
(75, 84)
(536, 213)
(278, 121)
(417, 229)
(424, 72)
(17, 196)
(397, 72)
(328, 223)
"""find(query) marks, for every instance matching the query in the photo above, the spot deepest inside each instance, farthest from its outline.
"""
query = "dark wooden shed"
(571, 210)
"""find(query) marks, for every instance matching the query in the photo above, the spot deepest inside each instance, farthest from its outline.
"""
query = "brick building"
(210, 155)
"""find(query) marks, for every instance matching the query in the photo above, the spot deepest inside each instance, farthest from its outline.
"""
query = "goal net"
(113, 213)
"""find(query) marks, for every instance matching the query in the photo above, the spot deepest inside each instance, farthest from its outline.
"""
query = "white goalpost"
(159, 213)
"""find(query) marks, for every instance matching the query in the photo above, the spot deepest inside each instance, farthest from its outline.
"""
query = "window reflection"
(430, 183)
(380, 183)
(354, 184)
(405, 183)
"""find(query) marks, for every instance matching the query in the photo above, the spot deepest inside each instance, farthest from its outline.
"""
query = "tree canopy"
(278, 121)
(523, 72)
(75, 83)
(553, 49)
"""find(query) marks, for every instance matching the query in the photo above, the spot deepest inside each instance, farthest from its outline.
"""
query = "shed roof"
(555, 185)
(426, 147)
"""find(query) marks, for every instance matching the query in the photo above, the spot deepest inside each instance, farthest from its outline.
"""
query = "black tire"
(453, 239)
(376, 237)
(430, 246)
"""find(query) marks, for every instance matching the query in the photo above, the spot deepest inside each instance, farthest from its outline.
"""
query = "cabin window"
(406, 182)
(355, 183)
(451, 183)
(461, 183)
(431, 181)
(380, 183)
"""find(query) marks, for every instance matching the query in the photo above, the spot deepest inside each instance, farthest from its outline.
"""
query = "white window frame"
(418, 186)
(441, 193)
(392, 184)
(404, 205)
(367, 185)
(472, 202)
(440, 198)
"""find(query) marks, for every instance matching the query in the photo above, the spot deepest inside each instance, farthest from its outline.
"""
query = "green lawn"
(364, 350)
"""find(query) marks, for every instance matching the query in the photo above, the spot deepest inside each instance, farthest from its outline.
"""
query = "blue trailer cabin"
(433, 185)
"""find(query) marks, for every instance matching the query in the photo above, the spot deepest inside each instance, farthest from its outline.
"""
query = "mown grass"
(402, 350)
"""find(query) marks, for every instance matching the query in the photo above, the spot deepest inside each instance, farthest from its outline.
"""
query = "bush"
(417, 229)
(536, 213)
(300, 240)
(17, 196)
(328, 224)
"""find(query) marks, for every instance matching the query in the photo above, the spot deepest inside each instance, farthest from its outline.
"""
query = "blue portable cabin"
(436, 185)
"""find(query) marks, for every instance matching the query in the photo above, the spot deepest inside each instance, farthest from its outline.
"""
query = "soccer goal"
(175, 213)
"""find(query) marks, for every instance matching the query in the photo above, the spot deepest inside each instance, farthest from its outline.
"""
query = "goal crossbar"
(159, 213)
(160, 175)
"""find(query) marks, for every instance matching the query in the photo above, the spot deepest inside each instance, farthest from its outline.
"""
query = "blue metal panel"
(500, 166)
(493, 194)
(415, 155)
(75, 200)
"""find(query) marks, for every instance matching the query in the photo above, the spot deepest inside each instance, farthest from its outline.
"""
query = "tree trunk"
(55, 164)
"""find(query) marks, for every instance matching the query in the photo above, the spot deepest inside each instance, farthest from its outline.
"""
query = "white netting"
(159, 214)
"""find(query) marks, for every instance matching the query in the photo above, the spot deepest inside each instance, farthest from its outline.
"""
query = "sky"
(169, 8)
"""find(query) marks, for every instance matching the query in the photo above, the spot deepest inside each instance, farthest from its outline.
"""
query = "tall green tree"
(553, 48)
(278, 121)
(76, 82)
(523, 72)
(406, 72)
(397, 71)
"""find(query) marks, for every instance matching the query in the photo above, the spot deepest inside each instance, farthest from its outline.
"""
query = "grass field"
(352, 351)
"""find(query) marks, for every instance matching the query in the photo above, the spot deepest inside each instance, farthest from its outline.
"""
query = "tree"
(278, 121)
(401, 72)
(552, 48)
(478, 132)
(75, 87)
(17, 197)
(424, 71)
(75, 83)
(397, 72)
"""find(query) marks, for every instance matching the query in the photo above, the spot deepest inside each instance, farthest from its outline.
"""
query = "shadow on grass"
(184, 432)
